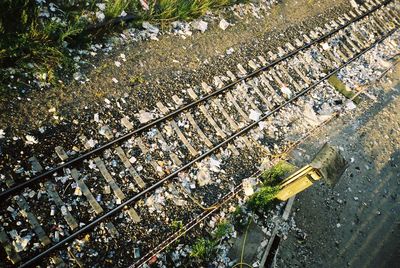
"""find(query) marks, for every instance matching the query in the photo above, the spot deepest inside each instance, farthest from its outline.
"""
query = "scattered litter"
(101, 6)
(31, 139)
(78, 191)
(144, 116)
(100, 16)
(223, 24)
(262, 125)
(132, 160)
(214, 165)
(248, 185)
(229, 51)
(2, 134)
(144, 4)
(325, 46)
(254, 115)
(96, 117)
(114, 80)
(90, 143)
(136, 253)
(285, 90)
(117, 63)
(20, 243)
(203, 176)
(310, 116)
(350, 105)
(200, 25)
(151, 28)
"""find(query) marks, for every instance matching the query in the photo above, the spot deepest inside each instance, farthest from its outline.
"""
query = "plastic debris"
(254, 115)
(350, 105)
(200, 25)
(144, 116)
(149, 27)
(248, 185)
(31, 139)
(214, 165)
(223, 24)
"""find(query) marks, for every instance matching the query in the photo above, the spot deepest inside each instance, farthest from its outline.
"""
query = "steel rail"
(6, 193)
(91, 225)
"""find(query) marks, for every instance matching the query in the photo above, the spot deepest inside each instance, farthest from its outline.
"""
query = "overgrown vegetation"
(223, 228)
(261, 200)
(278, 172)
(37, 36)
(176, 225)
(203, 249)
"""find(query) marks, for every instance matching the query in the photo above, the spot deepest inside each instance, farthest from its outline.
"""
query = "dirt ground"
(357, 223)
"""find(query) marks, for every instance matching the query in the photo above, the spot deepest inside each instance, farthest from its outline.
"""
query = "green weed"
(277, 173)
(223, 228)
(176, 225)
(202, 248)
(261, 200)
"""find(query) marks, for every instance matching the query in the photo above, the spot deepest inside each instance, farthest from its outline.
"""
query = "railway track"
(129, 190)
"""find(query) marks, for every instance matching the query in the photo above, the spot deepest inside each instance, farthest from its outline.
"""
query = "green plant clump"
(176, 225)
(222, 229)
(202, 248)
(261, 199)
(277, 173)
